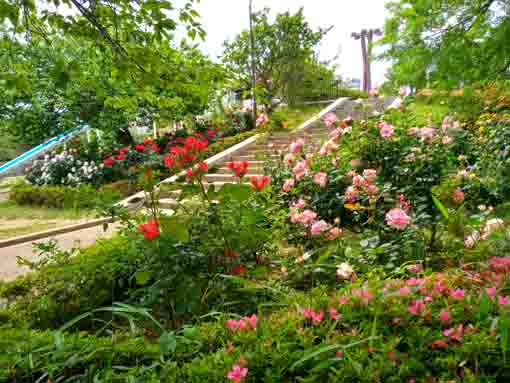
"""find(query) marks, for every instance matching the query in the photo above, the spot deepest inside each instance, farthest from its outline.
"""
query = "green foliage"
(456, 42)
(284, 56)
(79, 197)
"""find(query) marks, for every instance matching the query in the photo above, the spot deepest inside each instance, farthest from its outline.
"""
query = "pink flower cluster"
(361, 184)
(308, 219)
(244, 324)
(386, 130)
(238, 371)
(314, 316)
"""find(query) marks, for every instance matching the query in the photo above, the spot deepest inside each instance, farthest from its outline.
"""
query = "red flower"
(239, 168)
(177, 151)
(124, 150)
(155, 148)
(189, 173)
(150, 230)
(259, 182)
(169, 161)
(120, 157)
(238, 270)
(202, 166)
(147, 141)
(439, 344)
(211, 133)
(108, 161)
(140, 148)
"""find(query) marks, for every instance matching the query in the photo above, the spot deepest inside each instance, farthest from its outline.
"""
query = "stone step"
(251, 169)
(215, 177)
(251, 157)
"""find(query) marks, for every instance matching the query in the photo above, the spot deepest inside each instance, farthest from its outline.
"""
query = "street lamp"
(253, 69)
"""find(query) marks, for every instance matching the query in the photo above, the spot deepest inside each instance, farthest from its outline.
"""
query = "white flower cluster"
(63, 169)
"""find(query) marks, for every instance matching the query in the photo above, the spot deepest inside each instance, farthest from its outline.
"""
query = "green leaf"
(504, 326)
(441, 208)
(142, 277)
(326, 349)
(235, 192)
(167, 342)
(175, 226)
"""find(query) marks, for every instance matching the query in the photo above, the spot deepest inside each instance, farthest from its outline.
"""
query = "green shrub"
(79, 197)
(68, 284)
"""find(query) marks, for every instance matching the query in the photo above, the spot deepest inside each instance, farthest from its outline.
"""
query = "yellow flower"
(352, 207)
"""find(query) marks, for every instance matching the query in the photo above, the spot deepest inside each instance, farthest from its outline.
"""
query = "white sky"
(223, 19)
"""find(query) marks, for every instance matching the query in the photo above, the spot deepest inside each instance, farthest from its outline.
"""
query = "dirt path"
(9, 269)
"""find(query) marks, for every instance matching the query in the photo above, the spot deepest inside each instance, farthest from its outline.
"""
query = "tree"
(283, 49)
(448, 43)
(104, 64)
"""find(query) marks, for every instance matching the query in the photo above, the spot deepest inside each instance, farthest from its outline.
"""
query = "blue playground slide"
(38, 151)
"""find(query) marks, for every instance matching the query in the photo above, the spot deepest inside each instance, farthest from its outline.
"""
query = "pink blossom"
(387, 130)
(500, 264)
(416, 307)
(315, 316)
(297, 146)
(416, 268)
(373, 93)
(299, 204)
(427, 133)
(262, 120)
(323, 152)
(413, 131)
(334, 233)
(369, 174)
(454, 333)
(305, 218)
(404, 291)
(447, 140)
(333, 314)
(491, 291)
(372, 189)
(237, 373)
(359, 181)
(318, 227)
(458, 196)
(398, 219)
(335, 133)
(287, 185)
(232, 324)
(457, 294)
(330, 119)
(344, 300)
(444, 315)
(355, 163)
(446, 123)
(289, 159)
(414, 281)
(351, 194)
(320, 179)
(503, 300)
(300, 170)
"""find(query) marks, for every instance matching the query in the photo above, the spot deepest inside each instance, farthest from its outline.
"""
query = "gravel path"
(9, 269)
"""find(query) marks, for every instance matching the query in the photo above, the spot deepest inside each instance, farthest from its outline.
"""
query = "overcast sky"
(223, 19)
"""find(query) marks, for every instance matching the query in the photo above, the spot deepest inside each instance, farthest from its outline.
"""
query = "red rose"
(150, 230)
(259, 182)
(140, 148)
(169, 161)
(238, 270)
(108, 161)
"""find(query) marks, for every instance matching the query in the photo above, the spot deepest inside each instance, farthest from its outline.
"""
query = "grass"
(293, 117)
(20, 220)
(428, 108)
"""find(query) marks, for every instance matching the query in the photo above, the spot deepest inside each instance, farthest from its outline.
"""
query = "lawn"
(21, 220)
(295, 116)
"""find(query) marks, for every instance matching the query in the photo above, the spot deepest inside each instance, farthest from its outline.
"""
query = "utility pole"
(253, 69)
(366, 36)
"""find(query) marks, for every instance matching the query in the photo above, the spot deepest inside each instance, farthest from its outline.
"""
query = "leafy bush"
(79, 197)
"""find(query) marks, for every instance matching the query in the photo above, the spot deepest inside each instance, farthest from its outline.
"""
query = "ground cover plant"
(379, 255)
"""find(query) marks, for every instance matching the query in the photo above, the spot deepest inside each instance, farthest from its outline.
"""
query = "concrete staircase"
(276, 144)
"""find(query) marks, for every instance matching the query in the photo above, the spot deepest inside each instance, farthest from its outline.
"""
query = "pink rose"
(398, 218)
(320, 179)
(330, 119)
(299, 204)
(318, 227)
(413, 131)
(369, 174)
(359, 181)
(387, 131)
(447, 140)
(333, 234)
(297, 146)
(300, 170)
(287, 185)
(289, 159)
(458, 196)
